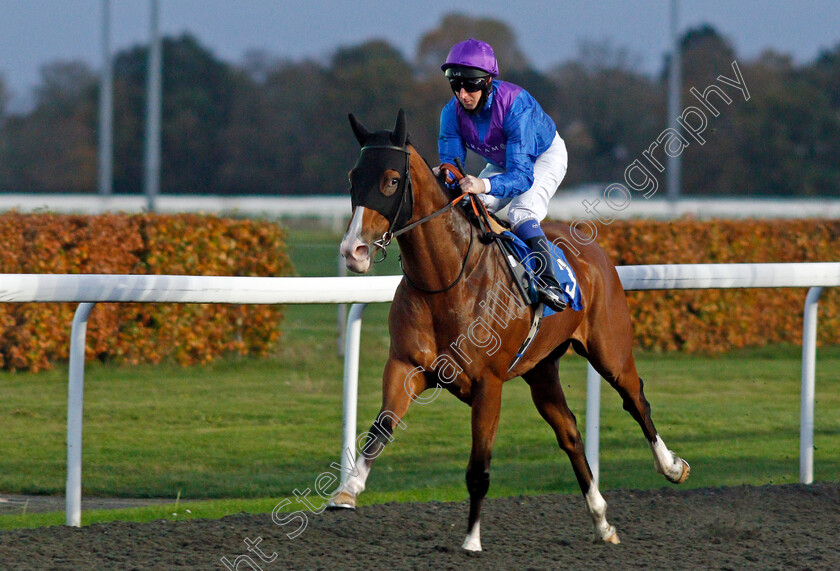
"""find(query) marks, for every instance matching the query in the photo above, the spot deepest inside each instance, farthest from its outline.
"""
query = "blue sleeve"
(520, 153)
(450, 144)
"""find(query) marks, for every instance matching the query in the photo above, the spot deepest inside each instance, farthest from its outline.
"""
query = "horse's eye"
(389, 182)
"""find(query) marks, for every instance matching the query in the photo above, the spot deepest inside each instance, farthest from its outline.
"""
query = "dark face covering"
(382, 151)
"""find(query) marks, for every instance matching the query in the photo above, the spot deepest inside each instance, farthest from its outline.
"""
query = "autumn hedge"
(718, 320)
(33, 336)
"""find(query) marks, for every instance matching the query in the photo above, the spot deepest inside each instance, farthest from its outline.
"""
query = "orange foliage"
(33, 336)
(718, 320)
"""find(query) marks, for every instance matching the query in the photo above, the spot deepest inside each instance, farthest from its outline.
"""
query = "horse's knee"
(383, 427)
(571, 441)
(637, 405)
(478, 482)
(567, 433)
(381, 432)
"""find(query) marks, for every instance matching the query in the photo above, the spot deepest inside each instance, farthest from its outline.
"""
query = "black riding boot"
(548, 287)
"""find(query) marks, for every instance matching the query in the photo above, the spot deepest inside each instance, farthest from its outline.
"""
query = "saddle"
(494, 229)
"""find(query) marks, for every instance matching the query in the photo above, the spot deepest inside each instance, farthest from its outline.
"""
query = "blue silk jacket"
(510, 132)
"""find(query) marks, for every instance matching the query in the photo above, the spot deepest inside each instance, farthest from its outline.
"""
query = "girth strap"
(535, 327)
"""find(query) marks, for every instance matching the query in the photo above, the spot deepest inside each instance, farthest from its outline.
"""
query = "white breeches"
(549, 170)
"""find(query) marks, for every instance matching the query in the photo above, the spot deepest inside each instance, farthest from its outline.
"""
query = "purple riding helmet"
(470, 61)
(475, 54)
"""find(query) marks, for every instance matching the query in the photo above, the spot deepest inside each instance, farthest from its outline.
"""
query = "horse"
(455, 296)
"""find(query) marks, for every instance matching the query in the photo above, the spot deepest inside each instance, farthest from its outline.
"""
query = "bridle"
(384, 205)
(397, 221)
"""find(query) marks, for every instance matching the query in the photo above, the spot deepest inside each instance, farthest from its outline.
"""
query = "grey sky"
(34, 32)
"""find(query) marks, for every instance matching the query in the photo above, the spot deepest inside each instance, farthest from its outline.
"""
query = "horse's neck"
(433, 251)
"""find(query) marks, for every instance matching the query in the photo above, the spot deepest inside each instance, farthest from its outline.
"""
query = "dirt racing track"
(767, 527)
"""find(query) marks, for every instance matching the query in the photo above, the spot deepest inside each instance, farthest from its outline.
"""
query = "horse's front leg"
(486, 404)
(400, 385)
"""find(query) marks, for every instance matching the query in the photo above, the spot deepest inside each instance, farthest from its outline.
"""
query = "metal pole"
(351, 388)
(106, 98)
(593, 420)
(342, 309)
(674, 83)
(809, 366)
(153, 105)
(75, 396)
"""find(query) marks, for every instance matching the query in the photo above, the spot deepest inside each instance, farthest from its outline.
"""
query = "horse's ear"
(400, 133)
(358, 129)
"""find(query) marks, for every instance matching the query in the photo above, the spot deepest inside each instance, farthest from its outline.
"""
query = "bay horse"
(455, 297)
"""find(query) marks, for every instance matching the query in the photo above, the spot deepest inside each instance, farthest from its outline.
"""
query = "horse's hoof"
(611, 537)
(471, 545)
(685, 472)
(473, 540)
(344, 500)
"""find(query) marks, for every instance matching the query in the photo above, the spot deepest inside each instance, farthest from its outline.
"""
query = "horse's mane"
(452, 193)
(448, 192)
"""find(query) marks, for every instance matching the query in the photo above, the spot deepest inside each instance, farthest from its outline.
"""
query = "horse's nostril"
(361, 252)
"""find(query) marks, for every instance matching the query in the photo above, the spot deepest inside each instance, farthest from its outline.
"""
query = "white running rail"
(89, 289)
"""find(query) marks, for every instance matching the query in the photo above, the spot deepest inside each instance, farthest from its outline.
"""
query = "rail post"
(75, 397)
(809, 365)
(593, 420)
(351, 387)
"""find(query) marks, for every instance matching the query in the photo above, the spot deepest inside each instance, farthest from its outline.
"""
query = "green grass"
(245, 433)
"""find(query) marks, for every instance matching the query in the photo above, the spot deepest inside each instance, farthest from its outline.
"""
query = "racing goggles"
(469, 83)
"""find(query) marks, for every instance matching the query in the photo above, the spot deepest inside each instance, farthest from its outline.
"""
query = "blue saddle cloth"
(564, 273)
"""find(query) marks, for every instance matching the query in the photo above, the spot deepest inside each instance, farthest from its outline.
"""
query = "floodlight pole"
(674, 82)
(106, 114)
(153, 104)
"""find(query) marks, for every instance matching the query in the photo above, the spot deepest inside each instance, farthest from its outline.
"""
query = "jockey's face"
(469, 99)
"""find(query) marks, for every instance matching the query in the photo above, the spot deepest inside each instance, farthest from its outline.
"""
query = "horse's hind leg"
(400, 384)
(551, 403)
(610, 353)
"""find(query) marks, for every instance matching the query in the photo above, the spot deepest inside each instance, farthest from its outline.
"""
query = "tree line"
(269, 126)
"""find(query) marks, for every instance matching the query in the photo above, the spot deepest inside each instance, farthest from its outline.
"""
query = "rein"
(387, 236)
(407, 191)
(450, 286)
(385, 240)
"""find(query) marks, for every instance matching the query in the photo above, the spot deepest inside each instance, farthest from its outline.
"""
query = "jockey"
(526, 158)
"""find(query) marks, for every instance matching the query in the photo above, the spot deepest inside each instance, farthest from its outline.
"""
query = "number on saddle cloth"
(519, 253)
